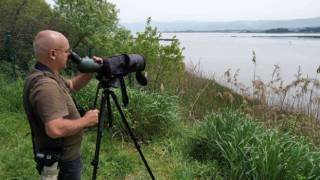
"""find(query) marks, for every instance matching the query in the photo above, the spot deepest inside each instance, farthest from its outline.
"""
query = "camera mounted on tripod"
(110, 72)
(113, 67)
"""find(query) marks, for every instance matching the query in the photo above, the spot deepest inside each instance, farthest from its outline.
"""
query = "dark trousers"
(68, 170)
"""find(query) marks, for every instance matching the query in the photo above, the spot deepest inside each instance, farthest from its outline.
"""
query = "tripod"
(106, 85)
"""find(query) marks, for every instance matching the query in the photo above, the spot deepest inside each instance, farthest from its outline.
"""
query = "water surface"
(218, 52)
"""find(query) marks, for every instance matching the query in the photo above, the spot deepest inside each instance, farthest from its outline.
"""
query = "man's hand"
(91, 118)
(98, 59)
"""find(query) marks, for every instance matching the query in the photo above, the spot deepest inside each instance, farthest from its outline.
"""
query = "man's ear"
(52, 54)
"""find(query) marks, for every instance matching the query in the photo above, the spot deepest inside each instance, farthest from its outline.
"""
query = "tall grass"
(16, 160)
(290, 107)
(11, 95)
(199, 94)
(149, 114)
(152, 118)
(243, 149)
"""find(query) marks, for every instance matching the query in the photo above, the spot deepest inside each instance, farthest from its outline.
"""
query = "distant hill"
(257, 25)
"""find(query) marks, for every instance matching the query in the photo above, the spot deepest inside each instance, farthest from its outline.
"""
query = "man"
(56, 125)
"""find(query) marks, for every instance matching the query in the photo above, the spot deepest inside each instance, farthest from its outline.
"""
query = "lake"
(218, 52)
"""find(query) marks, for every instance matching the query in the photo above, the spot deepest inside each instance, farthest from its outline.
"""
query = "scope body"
(120, 65)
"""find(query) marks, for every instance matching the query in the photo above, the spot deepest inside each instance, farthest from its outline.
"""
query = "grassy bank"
(192, 128)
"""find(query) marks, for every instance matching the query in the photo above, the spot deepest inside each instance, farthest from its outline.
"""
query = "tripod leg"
(96, 97)
(95, 161)
(109, 109)
(137, 145)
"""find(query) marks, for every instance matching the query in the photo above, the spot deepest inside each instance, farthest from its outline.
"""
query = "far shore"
(289, 36)
(272, 35)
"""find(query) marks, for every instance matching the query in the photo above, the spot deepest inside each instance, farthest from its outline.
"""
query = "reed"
(200, 93)
(290, 107)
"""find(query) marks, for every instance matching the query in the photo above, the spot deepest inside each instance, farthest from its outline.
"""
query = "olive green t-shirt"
(50, 99)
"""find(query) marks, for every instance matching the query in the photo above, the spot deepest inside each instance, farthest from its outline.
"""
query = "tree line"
(300, 30)
(88, 24)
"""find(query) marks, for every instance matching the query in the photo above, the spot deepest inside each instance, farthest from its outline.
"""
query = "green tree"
(94, 25)
(24, 18)
(163, 61)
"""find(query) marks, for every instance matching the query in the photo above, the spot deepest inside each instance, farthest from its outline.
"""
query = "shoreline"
(286, 36)
(272, 35)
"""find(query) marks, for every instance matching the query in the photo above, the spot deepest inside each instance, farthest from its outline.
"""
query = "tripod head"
(114, 82)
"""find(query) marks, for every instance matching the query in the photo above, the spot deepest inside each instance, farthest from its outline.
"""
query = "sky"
(214, 10)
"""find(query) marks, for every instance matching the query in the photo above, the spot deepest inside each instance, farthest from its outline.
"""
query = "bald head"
(47, 40)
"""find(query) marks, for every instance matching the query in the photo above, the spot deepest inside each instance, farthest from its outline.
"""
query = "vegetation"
(190, 127)
(24, 18)
(223, 144)
(277, 30)
(300, 30)
(310, 30)
(243, 149)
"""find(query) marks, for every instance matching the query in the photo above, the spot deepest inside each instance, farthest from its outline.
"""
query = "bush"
(163, 61)
(150, 115)
(245, 150)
